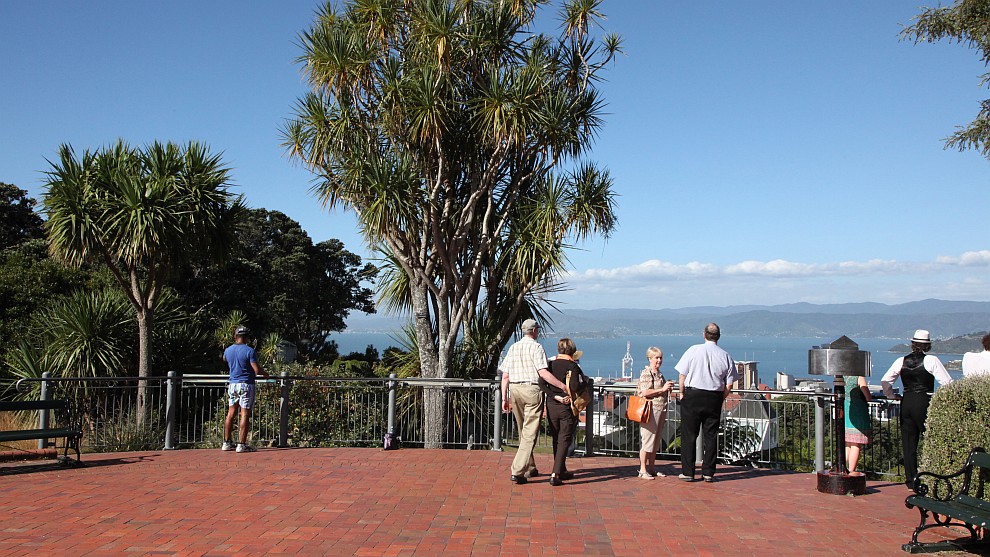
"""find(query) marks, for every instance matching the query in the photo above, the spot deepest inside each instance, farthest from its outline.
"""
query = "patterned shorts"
(241, 394)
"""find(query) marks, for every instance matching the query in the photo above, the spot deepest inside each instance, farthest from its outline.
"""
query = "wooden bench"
(934, 495)
(71, 433)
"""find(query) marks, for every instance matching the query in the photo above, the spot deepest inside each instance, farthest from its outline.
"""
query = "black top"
(558, 368)
(914, 376)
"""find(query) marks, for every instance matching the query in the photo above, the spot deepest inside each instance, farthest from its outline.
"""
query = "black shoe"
(518, 479)
(555, 480)
(567, 476)
(534, 473)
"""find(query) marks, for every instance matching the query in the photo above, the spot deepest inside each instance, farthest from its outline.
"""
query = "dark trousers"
(914, 412)
(700, 411)
(562, 423)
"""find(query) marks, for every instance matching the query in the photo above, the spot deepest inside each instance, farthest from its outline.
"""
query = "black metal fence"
(791, 430)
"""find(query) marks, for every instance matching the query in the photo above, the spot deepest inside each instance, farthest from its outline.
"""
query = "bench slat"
(28, 434)
(955, 509)
(18, 405)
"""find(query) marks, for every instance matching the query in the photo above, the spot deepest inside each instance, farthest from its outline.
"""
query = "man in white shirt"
(977, 363)
(706, 376)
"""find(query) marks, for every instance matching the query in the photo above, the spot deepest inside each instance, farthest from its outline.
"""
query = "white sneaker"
(245, 448)
(227, 446)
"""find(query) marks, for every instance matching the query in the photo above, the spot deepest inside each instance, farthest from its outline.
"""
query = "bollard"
(497, 430)
(285, 391)
(820, 431)
(44, 416)
(171, 405)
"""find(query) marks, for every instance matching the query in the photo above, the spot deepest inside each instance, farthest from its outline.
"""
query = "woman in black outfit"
(561, 418)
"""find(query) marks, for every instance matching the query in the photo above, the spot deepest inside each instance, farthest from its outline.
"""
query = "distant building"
(784, 382)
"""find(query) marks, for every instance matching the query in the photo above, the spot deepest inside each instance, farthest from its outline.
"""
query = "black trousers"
(562, 423)
(914, 412)
(700, 411)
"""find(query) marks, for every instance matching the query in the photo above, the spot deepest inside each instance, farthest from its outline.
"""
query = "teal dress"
(859, 425)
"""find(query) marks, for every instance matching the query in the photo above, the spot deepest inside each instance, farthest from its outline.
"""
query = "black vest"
(914, 376)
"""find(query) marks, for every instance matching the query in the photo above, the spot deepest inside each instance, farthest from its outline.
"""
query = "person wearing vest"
(918, 373)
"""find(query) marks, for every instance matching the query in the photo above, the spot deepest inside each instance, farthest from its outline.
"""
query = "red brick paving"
(369, 502)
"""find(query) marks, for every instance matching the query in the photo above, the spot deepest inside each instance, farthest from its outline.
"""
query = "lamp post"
(840, 358)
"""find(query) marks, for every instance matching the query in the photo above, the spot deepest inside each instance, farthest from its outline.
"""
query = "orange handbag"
(638, 409)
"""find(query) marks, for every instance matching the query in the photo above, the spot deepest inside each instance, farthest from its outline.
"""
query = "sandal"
(659, 474)
(645, 476)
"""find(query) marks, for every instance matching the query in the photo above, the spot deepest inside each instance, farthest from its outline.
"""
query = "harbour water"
(602, 357)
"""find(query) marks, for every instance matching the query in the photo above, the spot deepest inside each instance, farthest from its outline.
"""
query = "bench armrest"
(939, 486)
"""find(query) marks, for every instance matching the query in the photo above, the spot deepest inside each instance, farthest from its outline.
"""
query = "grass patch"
(15, 421)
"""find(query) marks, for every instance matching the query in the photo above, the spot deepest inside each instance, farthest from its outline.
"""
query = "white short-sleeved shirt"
(524, 360)
(707, 366)
(976, 363)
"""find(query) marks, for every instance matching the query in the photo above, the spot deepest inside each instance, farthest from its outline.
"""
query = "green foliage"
(964, 22)
(18, 220)
(457, 134)
(958, 421)
(30, 280)
(282, 283)
(142, 213)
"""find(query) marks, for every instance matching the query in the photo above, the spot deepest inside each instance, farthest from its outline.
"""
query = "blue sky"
(764, 152)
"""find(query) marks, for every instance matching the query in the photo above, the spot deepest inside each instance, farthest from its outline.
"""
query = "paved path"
(348, 501)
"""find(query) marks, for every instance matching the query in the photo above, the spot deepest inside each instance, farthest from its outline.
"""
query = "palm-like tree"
(140, 212)
(458, 137)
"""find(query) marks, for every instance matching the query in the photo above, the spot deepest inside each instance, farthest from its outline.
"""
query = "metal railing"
(780, 429)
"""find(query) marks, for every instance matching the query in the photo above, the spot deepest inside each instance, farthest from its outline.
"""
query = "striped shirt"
(523, 361)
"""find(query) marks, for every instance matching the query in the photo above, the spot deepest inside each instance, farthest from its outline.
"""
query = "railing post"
(171, 408)
(44, 416)
(589, 421)
(392, 383)
(819, 431)
(497, 416)
(285, 391)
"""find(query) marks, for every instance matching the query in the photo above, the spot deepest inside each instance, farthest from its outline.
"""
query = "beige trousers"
(527, 407)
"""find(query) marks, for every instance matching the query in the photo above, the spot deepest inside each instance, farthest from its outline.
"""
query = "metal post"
(171, 405)
(497, 417)
(44, 416)
(820, 431)
(589, 421)
(392, 383)
(285, 391)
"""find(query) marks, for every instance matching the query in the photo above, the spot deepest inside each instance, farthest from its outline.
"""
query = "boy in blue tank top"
(244, 367)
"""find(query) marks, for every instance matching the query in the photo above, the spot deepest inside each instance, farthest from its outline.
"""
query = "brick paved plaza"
(346, 501)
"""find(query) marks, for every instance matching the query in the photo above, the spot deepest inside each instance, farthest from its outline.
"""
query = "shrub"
(958, 420)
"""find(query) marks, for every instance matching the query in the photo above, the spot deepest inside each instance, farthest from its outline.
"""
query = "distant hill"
(956, 345)
(873, 320)
(945, 319)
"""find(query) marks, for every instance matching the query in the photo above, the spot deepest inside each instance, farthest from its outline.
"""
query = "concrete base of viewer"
(842, 484)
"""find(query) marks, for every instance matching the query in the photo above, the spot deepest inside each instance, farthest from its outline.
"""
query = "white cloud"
(969, 259)
(656, 283)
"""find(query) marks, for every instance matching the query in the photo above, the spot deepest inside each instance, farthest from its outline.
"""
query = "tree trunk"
(434, 407)
(145, 319)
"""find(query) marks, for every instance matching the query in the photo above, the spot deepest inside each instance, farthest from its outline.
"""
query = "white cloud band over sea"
(656, 284)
